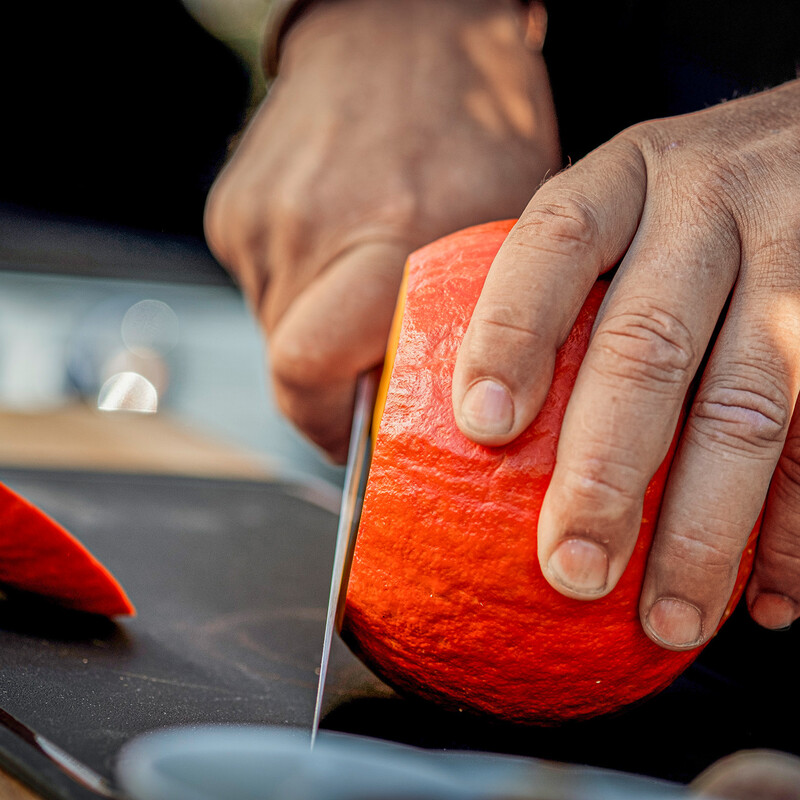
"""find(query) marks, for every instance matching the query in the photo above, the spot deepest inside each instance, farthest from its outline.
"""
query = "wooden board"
(76, 436)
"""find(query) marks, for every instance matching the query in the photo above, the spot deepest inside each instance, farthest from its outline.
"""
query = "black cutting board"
(230, 580)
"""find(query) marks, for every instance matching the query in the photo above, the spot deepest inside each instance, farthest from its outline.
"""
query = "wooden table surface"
(12, 789)
(77, 436)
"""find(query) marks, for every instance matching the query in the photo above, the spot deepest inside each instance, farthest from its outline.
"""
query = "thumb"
(334, 329)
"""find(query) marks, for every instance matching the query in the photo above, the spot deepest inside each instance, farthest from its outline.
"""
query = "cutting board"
(230, 579)
(230, 582)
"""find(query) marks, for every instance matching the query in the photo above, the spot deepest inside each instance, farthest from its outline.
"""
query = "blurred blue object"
(256, 763)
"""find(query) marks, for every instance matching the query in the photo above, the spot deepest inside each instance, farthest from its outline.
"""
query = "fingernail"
(580, 565)
(487, 408)
(675, 622)
(773, 611)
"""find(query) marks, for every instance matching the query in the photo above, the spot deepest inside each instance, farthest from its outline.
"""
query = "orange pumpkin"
(446, 599)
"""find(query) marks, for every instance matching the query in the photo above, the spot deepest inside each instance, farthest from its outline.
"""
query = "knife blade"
(79, 772)
(358, 456)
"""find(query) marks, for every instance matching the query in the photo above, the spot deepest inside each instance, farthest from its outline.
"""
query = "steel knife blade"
(358, 457)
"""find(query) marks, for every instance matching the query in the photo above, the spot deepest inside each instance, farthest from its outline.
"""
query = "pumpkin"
(446, 600)
(38, 555)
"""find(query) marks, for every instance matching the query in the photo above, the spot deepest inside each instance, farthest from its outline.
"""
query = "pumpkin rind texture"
(446, 599)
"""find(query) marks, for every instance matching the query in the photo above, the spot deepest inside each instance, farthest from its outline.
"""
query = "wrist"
(280, 18)
(284, 15)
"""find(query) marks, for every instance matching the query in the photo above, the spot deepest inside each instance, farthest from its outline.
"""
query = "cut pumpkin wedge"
(38, 555)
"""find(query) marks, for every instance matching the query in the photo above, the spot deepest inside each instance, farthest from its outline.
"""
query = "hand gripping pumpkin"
(446, 599)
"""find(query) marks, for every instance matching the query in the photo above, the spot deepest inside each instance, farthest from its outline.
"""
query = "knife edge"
(358, 455)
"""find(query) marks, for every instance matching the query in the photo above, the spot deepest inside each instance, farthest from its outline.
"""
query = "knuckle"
(750, 417)
(705, 189)
(235, 222)
(714, 555)
(498, 344)
(613, 487)
(293, 205)
(649, 137)
(780, 552)
(510, 352)
(495, 321)
(214, 218)
(567, 225)
(296, 363)
(648, 346)
(398, 209)
(666, 149)
(722, 185)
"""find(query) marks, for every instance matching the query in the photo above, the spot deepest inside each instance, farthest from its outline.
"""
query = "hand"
(704, 212)
(390, 125)
(750, 775)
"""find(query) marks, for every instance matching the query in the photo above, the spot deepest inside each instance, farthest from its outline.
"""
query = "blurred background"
(116, 118)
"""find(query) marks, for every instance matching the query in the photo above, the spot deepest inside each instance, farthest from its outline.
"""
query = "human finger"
(750, 775)
(568, 235)
(334, 329)
(729, 448)
(773, 594)
(648, 342)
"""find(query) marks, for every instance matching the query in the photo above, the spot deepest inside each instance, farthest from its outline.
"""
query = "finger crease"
(758, 428)
(785, 554)
(708, 554)
(509, 326)
(550, 251)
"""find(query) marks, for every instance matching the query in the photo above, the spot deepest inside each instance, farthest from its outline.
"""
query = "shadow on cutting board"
(30, 615)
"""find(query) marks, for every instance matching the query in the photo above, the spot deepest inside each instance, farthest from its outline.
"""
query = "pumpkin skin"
(38, 555)
(446, 600)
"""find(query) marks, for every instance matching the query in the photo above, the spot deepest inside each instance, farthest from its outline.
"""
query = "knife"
(80, 773)
(358, 457)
